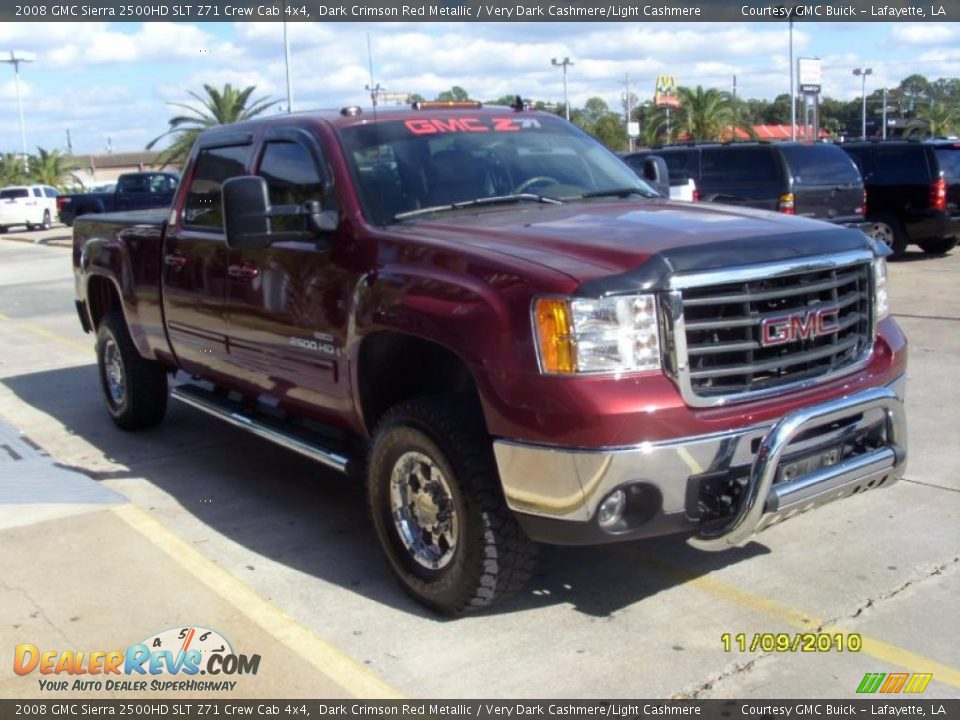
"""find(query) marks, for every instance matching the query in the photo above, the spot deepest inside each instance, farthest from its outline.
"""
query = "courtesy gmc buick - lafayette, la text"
(490, 320)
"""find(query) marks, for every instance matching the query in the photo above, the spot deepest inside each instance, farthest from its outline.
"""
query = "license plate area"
(796, 467)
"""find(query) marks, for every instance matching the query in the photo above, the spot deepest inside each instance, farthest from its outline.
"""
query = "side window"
(204, 204)
(740, 165)
(50, 192)
(37, 192)
(292, 179)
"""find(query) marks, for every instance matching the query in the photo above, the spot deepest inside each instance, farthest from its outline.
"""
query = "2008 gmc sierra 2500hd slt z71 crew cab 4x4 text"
(497, 324)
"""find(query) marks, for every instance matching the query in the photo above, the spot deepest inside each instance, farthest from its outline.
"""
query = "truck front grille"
(759, 334)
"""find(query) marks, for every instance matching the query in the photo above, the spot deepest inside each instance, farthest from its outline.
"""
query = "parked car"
(33, 206)
(812, 180)
(682, 186)
(486, 319)
(134, 191)
(913, 191)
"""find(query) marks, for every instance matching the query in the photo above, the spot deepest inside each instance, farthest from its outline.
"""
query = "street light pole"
(17, 57)
(565, 64)
(862, 73)
(793, 97)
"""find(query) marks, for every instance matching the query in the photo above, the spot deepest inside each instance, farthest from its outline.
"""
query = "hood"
(593, 240)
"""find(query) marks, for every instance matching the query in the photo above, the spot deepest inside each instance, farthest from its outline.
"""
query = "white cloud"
(924, 34)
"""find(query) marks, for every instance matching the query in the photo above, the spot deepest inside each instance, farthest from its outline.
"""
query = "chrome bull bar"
(763, 503)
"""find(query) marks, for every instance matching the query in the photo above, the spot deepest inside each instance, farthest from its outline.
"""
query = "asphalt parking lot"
(108, 538)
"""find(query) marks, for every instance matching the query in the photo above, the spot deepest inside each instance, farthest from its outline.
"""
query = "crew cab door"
(194, 259)
(287, 303)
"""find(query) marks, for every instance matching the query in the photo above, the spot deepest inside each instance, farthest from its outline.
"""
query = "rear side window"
(740, 165)
(901, 165)
(949, 159)
(679, 164)
(820, 165)
(14, 193)
(37, 192)
(204, 205)
(132, 184)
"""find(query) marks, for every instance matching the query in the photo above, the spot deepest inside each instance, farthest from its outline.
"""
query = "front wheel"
(135, 389)
(938, 246)
(438, 509)
(47, 223)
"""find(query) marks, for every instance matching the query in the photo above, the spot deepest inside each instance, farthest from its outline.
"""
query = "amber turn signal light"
(555, 333)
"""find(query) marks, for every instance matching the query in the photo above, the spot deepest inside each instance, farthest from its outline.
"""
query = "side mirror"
(249, 216)
(656, 173)
(246, 212)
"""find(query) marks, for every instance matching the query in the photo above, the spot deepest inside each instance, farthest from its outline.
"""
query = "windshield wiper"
(618, 192)
(495, 200)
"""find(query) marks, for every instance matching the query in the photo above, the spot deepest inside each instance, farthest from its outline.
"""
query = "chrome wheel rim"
(423, 510)
(113, 372)
(883, 233)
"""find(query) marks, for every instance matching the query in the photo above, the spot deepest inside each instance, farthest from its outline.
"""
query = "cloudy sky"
(112, 82)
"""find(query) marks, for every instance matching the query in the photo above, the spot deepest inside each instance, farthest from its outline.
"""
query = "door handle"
(243, 271)
(175, 260)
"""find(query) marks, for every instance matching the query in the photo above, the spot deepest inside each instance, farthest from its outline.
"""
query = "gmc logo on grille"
(799, 326)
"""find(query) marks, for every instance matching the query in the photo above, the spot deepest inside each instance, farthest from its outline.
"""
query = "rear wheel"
(938, 246)
(438, 508)
(888, 230)
(135, 389)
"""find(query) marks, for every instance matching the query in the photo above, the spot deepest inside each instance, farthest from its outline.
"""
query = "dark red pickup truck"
(491, 319)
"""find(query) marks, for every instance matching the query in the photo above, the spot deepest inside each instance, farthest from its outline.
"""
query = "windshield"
(405, 166)
(14, 193)
(820, 165)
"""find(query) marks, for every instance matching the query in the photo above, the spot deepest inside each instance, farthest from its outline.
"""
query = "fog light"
(611, 509)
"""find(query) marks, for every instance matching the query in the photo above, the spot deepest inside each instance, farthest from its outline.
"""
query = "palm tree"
(51, 167)
(219, 107)
(709, 114)
(11, 170)
(936, 120)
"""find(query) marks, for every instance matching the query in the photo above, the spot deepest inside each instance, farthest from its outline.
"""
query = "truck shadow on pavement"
(284, 507)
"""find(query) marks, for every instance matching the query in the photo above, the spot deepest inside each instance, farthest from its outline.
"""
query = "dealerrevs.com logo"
(170, 660)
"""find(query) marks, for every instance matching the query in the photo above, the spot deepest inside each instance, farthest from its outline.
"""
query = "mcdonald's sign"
(891, 683)
(665, 94)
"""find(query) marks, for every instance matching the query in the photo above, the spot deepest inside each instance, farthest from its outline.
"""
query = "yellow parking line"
(807, 622)
(47, 335)
(342, 669)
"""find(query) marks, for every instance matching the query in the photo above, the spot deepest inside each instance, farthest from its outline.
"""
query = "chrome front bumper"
(553, 486)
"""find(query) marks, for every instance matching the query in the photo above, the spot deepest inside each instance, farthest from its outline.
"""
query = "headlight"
(603, 335)
(881, 298)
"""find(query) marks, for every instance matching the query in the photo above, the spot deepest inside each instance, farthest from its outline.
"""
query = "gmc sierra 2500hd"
(497, 324)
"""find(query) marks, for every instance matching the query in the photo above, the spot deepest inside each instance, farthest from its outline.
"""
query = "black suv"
(813, 180)
(912, 192)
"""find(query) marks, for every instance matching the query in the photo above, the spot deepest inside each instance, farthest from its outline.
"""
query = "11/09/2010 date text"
(792, 642)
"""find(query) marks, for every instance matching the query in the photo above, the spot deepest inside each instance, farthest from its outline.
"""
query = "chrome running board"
(283, 434)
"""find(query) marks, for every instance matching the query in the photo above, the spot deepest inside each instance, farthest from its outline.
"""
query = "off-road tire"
(492, 556)
(889, 230)
(938, 246)
(144, 382)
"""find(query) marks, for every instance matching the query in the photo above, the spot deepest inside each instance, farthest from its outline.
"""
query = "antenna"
(373, 89)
